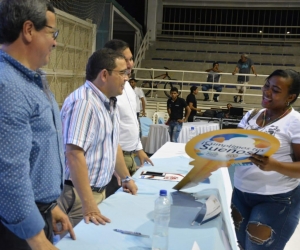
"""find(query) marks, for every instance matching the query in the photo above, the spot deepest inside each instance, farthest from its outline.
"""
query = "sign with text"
(222, 148)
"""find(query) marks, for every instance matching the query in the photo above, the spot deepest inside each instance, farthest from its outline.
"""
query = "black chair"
(208, 120)
(229, 123)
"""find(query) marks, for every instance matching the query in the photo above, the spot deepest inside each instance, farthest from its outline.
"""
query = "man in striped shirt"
(91, 137)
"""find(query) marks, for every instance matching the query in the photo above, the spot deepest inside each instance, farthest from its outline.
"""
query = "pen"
(131, 233)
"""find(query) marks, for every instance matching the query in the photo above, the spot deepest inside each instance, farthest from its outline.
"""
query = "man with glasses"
(55, 31)
(129, 126)
(31, 152)
(91, 120)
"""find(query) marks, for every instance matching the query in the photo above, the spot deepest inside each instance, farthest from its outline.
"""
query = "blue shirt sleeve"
(18, 211)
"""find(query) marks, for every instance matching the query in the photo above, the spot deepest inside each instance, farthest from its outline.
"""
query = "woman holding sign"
(266, 197)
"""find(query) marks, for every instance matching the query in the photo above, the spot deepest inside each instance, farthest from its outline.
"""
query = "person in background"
(175, 107)
(192, 103)
(229, 105)
(265, 201)
(31, 151)
(214, 77)
(91, 137)
(140, 98)
(243, 66)
(129, 126)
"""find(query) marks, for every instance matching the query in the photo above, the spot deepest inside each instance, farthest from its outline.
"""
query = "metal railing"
(234, 32)
(272, 24)
(142, 50)
(183, 81)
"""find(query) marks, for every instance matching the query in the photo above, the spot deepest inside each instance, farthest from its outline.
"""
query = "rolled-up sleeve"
(18, 211)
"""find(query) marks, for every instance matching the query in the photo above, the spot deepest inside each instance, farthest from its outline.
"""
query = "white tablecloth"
(200, 128)
(159, 135)
(135, 212)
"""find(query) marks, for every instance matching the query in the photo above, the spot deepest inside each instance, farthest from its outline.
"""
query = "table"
(159, 135)
(135, 212)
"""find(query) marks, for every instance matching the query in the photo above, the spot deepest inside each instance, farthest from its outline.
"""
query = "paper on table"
(161, 176)
(195, 246)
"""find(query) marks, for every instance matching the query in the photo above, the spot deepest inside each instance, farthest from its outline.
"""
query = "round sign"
(231, 145)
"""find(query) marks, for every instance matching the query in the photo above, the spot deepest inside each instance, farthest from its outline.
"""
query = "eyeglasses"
(55, 33)
(123, 73)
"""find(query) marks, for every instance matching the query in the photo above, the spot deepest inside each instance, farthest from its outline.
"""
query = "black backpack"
(209, 113)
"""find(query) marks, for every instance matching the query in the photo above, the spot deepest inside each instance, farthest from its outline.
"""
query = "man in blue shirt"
(243, 66)
(31, 152)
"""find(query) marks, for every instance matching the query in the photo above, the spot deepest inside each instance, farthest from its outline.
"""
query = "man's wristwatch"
(127, 179)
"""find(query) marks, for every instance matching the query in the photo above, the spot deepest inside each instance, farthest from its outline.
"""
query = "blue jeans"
(206, 87)
(265, 221)
(174, 130)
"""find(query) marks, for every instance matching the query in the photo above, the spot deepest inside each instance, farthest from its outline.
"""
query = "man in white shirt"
(140, 98)
(129, 127)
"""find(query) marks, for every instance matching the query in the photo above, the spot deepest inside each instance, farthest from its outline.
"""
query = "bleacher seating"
(199, 56)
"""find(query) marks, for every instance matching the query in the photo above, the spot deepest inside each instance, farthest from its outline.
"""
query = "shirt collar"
(31, 74)
(108, 103)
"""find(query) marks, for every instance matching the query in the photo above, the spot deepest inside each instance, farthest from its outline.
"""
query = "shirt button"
(36, 75)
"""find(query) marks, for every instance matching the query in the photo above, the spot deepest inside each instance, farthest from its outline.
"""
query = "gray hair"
(13, 14)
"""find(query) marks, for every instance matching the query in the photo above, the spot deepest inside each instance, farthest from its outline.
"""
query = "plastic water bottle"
(161, 222)
(192, 133)
(155, 95)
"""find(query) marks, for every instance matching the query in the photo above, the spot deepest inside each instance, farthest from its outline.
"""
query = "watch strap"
(127, 179)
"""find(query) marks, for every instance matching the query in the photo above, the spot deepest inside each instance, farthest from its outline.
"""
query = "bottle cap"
(163, 192)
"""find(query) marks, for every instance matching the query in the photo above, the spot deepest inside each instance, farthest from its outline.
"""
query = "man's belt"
(128, 152)
(94, 189)
(46, 207)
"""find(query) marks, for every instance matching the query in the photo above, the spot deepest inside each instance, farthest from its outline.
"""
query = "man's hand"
(143, 113)
(233, 72)
(181, 120)
(130, 187)
(80, 178)
(40, 242)
(143, 157)
(59, 216)
(92, 213)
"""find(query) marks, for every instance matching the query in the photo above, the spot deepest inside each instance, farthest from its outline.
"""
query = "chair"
(157, 115)
(150, 113)
(208, 119)
(161, 120)
(145, 125)
(146, 122)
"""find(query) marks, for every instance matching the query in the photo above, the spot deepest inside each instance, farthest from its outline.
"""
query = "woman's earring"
(287, 104)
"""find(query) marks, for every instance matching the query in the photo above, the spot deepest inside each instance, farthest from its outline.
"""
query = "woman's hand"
(265, 163)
